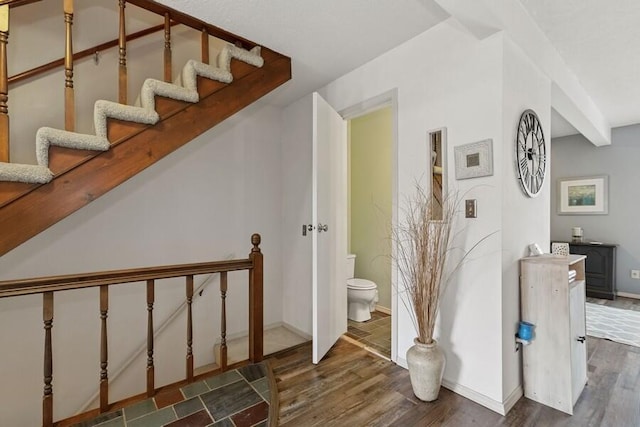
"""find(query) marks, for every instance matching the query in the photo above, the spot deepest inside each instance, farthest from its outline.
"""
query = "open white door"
(329, 220)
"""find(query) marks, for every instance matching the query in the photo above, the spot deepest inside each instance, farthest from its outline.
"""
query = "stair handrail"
(175, 17)
(195, 23)
(11, 288)
(171, 17)
(47, 286)
(41, 69)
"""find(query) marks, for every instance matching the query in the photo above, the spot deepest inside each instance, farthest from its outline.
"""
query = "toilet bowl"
(362, 294)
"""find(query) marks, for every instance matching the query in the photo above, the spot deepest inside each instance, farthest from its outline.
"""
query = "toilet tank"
(351, 265)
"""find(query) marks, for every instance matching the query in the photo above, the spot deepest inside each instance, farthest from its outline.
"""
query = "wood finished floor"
(374, 333)
(352, 387)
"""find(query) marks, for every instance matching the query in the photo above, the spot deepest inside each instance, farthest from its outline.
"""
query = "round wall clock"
(531, 153)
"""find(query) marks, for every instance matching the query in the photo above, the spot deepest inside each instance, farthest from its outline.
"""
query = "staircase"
(74, 169)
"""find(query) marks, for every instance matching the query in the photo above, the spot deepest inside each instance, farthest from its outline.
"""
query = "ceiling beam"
(483, 18)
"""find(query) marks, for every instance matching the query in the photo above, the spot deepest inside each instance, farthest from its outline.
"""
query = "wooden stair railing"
(82, 176)
(48, 286)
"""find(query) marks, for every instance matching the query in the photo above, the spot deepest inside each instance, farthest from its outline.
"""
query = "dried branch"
(424, 246)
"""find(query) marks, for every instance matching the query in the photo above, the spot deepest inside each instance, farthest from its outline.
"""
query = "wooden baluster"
(47, 399)
(256, 318)
(205, 46)
(69, 98)
(104, 351)
(167, 48)
(223, 321)
(189, 329)
(150, 368)
(122, 52)
(4, 85)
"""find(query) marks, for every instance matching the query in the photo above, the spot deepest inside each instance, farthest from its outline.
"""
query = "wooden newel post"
(122, 54)
(69, 97)
(104, 349)
(256, 301)
(47, 398)
(150, 367)
(205, 46)
(167, 48)
(4, 85)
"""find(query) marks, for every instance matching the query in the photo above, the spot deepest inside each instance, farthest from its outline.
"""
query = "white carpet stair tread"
(612, 323)
(144, 112)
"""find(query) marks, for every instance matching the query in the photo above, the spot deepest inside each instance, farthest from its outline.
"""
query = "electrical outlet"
(635, 274)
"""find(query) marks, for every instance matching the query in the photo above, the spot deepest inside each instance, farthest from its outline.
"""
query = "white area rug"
(614, 324)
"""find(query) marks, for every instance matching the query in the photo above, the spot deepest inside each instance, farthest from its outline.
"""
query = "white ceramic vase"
(426, 366)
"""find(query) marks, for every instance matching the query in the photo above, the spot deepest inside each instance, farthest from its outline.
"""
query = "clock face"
(531, 153)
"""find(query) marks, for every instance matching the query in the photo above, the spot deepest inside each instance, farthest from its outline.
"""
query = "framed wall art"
(583, 195)
(474, 160)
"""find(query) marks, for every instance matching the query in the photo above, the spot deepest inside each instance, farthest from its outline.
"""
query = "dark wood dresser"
(600, 267)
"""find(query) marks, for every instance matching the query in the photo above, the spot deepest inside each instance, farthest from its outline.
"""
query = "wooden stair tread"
(62, 160)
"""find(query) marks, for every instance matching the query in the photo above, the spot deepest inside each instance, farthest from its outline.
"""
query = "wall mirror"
(438, 170)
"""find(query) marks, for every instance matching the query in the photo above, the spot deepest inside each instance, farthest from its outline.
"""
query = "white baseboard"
(473, 395)
(402, 362)
(512, 399)
(296, 331)
(500, 407)
(386, 310)
(628, 295)
(245, 333)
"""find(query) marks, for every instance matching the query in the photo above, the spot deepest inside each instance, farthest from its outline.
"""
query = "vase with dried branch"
(423, 249)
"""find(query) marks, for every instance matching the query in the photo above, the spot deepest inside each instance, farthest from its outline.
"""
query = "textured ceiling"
(324, 38)
(600, 42)
(598, 39)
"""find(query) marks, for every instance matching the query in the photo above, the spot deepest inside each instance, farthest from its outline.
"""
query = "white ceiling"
(598, 39)
(324, 38)
(600, 42)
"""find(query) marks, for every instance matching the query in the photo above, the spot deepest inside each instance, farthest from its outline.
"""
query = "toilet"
(362, 294)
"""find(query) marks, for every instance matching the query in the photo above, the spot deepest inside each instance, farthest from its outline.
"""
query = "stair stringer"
(145, 114)
(28, 209)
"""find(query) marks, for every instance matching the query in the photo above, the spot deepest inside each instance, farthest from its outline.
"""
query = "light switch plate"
(470, 208)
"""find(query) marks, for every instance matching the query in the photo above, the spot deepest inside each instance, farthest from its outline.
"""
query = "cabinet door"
(578, 346)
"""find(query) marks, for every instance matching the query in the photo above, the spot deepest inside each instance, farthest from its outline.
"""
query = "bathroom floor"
(374, 333)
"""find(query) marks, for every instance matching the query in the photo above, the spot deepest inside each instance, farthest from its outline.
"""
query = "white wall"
(200, 203)
(524, 220)
(446, 78)
(477, 90)
(575, 156)
(296, 210)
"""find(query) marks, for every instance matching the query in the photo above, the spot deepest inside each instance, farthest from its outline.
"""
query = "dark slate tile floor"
(236, 398)
(374, 333)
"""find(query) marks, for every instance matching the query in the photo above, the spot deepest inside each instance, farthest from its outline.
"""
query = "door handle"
(581, 339)
(309, 228)
(306, 228)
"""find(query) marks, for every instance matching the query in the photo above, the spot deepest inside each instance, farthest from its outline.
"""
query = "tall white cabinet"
(555, 362)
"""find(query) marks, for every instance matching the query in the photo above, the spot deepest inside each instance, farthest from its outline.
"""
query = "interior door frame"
(386, 99)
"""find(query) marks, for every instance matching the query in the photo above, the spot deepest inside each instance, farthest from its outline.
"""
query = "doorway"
(370, 178)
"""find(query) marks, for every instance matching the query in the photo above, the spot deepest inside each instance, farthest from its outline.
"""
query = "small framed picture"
(583, 195)
(474, 160)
